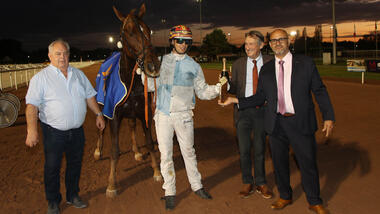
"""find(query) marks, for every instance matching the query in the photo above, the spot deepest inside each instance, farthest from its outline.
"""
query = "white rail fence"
(12, 76)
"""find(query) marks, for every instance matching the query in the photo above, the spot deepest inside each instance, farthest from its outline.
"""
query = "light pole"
(334, 32)
(305, 43)
(354, 41)
(376, 39)
(293, 39)
(200, 20)
(229, 36)
(163, 21)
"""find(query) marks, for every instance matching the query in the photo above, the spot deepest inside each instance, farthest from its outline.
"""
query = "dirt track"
(349, 164)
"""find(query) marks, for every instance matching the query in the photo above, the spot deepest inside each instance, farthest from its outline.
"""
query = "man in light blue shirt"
(59, 94)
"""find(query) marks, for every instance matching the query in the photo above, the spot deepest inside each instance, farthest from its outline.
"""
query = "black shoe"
(169, 202)
(77, 202)
(203, 194)
(53, 208)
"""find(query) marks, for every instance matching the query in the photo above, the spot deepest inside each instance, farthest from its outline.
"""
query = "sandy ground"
(348, 163)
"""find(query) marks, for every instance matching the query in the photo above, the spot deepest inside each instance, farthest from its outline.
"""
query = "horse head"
(136, 41)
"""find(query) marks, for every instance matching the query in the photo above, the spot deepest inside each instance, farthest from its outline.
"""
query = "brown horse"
(137, 52)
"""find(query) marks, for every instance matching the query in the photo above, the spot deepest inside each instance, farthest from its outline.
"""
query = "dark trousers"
(56, 143)
(252, 120)
(284, 135)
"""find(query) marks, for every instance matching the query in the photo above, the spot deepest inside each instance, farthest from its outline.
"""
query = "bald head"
(279, 31)
(279, 42)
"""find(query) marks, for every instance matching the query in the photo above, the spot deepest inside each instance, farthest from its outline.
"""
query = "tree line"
(213, 44)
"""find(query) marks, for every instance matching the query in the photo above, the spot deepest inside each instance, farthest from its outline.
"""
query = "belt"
(286, 114)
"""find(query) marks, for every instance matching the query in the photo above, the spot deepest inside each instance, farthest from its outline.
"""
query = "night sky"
(87, 24)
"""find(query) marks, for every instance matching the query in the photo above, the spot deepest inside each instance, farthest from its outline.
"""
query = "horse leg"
(149, 144)
(114, 130)
(99, 145)
(135, 149)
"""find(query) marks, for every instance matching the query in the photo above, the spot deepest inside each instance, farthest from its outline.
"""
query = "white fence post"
(10, 79)
(1, 81)
(27, 77)
(16, 80)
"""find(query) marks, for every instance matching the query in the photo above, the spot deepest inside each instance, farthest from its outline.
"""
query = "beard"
(280, 51)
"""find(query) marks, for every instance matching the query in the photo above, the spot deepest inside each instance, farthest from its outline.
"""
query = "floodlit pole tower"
(376, 39)
(334, 32)
(163, 21)
(200, 21)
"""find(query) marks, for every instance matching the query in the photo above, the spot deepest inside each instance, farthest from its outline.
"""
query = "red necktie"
(280, 88)
(255, 76)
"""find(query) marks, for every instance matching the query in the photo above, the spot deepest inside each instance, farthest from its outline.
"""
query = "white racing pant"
(182, 124)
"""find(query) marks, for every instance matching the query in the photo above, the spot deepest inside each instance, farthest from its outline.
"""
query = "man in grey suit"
(245, 73)
(287, 83)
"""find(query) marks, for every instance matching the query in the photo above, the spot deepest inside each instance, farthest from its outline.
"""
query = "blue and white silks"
(181, 78)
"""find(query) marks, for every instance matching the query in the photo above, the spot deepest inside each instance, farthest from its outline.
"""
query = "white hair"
(63, 42)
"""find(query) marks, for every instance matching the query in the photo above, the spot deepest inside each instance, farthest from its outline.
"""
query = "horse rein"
(139, 64)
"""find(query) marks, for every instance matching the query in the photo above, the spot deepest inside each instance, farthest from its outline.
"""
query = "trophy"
(223, 90)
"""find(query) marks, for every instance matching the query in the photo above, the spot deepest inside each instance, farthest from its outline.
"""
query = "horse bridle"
(139, 60)
(140, 64)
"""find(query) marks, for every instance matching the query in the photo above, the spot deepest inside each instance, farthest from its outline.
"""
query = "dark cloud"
(87, 23)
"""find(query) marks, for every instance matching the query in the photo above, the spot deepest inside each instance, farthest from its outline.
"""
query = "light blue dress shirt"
(61, 102)
(249, 80)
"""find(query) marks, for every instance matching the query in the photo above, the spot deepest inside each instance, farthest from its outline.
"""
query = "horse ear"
(118, 14)
(142, 11)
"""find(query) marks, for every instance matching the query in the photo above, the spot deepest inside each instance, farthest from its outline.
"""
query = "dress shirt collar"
(287, 58)
(58, 71)
(260, 57)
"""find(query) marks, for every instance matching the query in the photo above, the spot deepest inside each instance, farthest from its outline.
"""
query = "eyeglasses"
(274, 41)
(186, 41)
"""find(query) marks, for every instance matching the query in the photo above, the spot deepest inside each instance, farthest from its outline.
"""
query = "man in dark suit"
(245, 72)
(286, 84)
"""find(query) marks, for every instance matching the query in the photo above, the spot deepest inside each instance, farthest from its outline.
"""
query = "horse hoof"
(157, 176)
(138, 157)
(97, 154)
(111, 193)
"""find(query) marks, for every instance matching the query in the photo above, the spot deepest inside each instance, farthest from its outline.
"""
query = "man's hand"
(228, 101)
(32, 138)
(100, 123)
(328, 126)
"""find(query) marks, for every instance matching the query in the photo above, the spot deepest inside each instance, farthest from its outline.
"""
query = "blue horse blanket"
(111, 90)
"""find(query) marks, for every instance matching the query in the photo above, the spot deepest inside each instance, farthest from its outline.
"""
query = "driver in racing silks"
(181, 78)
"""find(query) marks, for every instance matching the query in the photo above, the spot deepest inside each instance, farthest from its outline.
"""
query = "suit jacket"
(239, 79)
(305, 80)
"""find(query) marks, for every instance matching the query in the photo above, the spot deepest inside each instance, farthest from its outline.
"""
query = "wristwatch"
(99, 114)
